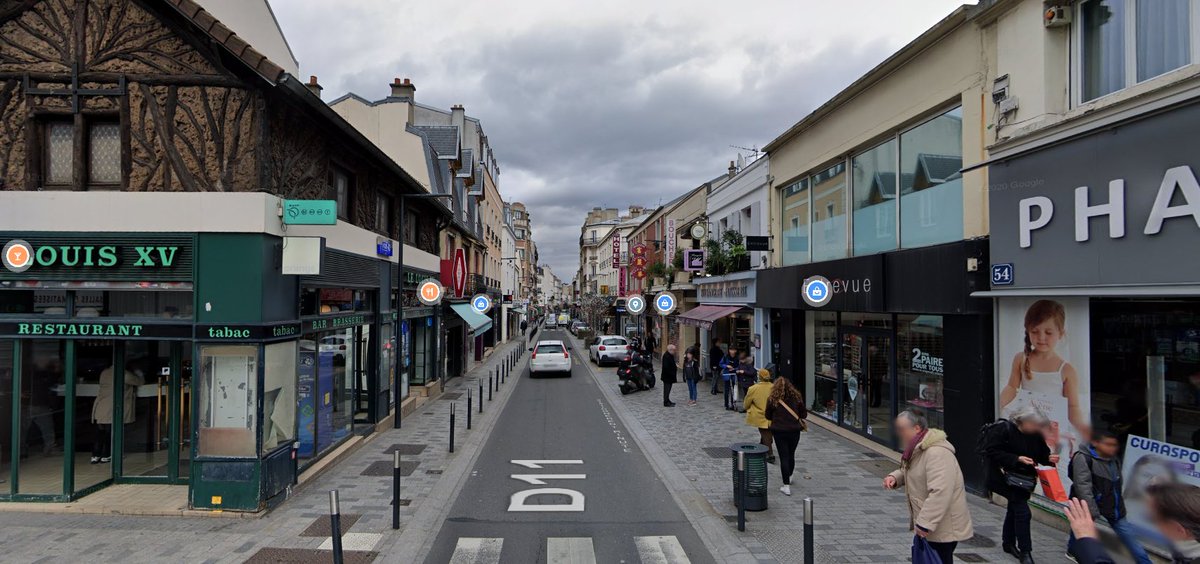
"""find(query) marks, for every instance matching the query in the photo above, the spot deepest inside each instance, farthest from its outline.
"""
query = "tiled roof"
(443, 139)
(226, 37)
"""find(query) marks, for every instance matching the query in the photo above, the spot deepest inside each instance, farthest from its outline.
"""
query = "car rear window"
(614, 341)
(549, 348)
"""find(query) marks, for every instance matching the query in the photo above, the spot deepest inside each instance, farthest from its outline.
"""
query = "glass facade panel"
(920, 354)
(279, 395)
(227, 401)
(829, 213)
(147, 406)
(825, 386)
(875, 188)
(42, 416)
(35, 302)
(796, 217)
(1163, 38)
(94, 361)
(1103, 56)
(931, 202)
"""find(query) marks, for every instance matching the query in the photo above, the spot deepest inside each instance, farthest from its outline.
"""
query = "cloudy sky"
(605, 103)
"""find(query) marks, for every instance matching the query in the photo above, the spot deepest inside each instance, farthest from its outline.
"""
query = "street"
(623, 512)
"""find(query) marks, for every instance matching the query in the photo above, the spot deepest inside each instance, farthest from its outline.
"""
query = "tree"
(726, 254)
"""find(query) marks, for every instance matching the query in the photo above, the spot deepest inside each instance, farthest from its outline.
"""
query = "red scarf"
(912, 445)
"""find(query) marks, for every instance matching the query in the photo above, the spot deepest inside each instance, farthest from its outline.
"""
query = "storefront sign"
(739, 291)
(616, 249)
(1112, 208)
(693, 260)
(69, 329)
(53, 257)
(670, 240)
(309, 212)
(925, 362)
(246, 332)
(326, 323)
(459, 274)
(856, 284)
(621, 281)
(758, 243)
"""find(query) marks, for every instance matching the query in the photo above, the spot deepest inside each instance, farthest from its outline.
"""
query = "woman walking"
(786, 412)
(756, 410)
(691, 374)
(1014, 449)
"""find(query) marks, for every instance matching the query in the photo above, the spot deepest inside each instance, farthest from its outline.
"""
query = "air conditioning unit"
(1057, 16)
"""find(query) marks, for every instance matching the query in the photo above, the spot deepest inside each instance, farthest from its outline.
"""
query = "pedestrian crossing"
(570, 550)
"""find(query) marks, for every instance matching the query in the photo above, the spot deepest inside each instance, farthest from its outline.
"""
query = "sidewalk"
(298, 530)
(856, 519)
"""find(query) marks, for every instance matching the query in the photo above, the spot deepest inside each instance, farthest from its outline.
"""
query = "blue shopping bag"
(922, 553)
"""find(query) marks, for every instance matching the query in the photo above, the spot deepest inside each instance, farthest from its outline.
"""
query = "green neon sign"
(309, 212)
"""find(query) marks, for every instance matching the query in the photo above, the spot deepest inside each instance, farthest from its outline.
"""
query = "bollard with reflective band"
(335, 525)
(808, 530)
(451, 427)
(742, 491)
(468, 409)
(396, 489)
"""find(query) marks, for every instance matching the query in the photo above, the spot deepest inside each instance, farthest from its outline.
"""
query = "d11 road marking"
(519, 500)
(540, 479)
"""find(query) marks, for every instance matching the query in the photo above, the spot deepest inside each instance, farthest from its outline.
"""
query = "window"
(931, 202)
(875, 199)
(410, 227)
(383, 214)
(829, 233)
(341, 192)
(102, 145)
(279, 394)
(1123, 42)
(228, 378)
(921, 350)
(823, 381)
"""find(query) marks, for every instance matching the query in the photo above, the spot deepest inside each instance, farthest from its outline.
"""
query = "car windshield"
(614, 341)
(549, 348)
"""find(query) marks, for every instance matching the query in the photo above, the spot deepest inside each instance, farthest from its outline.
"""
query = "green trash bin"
(756, 476)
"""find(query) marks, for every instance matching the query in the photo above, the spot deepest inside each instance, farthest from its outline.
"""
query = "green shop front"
(172, 358)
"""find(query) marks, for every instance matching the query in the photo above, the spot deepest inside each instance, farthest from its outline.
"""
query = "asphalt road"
(627, 515)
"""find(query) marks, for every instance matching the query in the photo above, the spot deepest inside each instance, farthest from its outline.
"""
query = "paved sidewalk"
(856, 520)
(297, 531)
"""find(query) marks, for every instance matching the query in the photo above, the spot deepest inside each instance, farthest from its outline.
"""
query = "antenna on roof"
(754, 152)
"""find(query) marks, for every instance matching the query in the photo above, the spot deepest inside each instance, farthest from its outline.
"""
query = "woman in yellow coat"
(755, 405)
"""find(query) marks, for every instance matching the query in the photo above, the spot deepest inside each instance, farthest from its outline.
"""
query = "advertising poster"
(306, 407)
(1043, 361)
(325, 401)
(1149, 462)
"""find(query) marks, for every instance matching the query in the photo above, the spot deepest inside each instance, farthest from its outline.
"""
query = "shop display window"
(134, 303)
(920, 357)
(33, 302)
(42, 416)
(228, 383)
(279, 395)
(824, 368)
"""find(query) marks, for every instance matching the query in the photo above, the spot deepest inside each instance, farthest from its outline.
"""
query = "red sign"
(617, 251)
(621, 282)
(639, 261)
(459, 274)
(639, 274)
(639, 250)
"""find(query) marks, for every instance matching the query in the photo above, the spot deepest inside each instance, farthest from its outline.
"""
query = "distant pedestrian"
(728, 367)
(1013, 450)
(715, 355)
(756, 411)
(669, 369)
(786, 412)
(1095, 471)
(933, 484)
(1174, 509)
(691, 374)
(745, 373)
(650, 340)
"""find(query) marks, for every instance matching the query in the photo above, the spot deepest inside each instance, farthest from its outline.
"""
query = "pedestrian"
(1174, 509)
(691, 373)
(786, 412)
(715, 354)
(933, 485)
(1013, 449)
(650, 340)
(669, 369)
(756, 409)
(1095, 471)
(728, 367)
(745, 373)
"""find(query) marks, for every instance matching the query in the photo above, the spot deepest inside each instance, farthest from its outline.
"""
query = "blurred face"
(1030, 427)
(905, 430)
(1170, 529)
(1107, 447)
(1045, 335)
(733, 352)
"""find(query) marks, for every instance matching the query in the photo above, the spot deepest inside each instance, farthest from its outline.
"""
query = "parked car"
(578, 326)
(335, 344)
(551, 322)
(608, 348)
(550, 357)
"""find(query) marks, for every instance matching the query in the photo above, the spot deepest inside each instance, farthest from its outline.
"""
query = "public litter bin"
(756, 476)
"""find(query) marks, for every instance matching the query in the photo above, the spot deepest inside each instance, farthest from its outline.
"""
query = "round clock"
(698, 230)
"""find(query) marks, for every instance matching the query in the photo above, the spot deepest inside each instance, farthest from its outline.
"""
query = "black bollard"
(742, 491)
(808, 530)
(480, 397)
(396, 489)
(451, 427)
(335, 526)
(468, 409)
(489, 387)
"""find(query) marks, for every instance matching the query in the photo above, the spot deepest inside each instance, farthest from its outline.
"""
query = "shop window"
(134, 303)
(920, 357)
(329, 301)
(102, 147)
(824, 378)
(875, 186)
(6, 415)
(227, 399)
(340, 186)
(279, 395)
(931, 202)
(33, 302)
(42, 416)
(1124, 42)
(796, 209)
(829, 232)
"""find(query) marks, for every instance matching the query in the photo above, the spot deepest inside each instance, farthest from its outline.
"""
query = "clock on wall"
(698, 230)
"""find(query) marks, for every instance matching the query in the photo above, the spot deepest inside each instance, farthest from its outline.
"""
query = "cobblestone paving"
(39, 537)
(856, 520)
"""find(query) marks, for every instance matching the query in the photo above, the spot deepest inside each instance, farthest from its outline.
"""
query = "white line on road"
(537, 464)
(471, 550)
(661, 550)
(570, 550)
(539, 479)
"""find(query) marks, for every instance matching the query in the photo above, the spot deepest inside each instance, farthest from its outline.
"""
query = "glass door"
(152, 400)
(866, 371)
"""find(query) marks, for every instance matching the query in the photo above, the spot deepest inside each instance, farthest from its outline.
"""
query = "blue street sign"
(1002, 274)
(817, 291)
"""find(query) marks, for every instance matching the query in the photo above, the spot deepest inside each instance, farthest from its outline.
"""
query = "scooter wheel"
(624, 390)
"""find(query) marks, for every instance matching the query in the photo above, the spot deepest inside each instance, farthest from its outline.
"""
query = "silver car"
(550, 357)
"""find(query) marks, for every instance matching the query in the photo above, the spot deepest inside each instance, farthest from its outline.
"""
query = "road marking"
(477, 551)
(570, 550)
(538, 479)
(537, 464)
(661, 550)
(621, 440)
(364, 542)
(517, 502)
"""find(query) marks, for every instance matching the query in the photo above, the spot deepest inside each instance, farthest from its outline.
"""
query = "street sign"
(817, 291)
(693, 260)
(1002, 274)
(758, 243)
(616, 249)
(665, 303)
(383, 247)
(698, 230)
(430, 292)
(481, 303)
(635, 305)
(309, 212)
(458, 275)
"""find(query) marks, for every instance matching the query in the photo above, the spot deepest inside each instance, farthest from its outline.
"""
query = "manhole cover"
(305, 555)
(320, 526)
(876, 467)
(451, 395)
(718, 452)
(405, 449)
(403, 502)
(433, 472)
(384, 468)
(969, 557)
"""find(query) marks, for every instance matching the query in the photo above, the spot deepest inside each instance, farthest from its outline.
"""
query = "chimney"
(458, 116)
(405, 89)
(313, 86)
(732, 169)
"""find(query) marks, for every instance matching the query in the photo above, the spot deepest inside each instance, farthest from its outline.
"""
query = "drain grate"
(877, 467)
(717, 452)
(970, 557)
(306, 555)
(320, 526)
(384, 468)
(451, 395)
(405, 449)
(434, 472)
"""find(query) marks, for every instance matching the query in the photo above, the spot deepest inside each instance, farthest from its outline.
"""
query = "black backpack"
(984, 437)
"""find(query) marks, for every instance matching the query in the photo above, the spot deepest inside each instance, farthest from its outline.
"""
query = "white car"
(608, 348)
(551, 322)
(550, 357)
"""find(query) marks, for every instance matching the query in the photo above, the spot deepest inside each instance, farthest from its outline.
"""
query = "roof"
(443, 139)
(230, 40)
(468, 160)
(939, 168)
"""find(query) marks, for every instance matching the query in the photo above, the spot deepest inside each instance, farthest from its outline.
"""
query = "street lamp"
(400, 318)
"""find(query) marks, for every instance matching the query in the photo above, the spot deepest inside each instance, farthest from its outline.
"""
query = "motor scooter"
(635, 374)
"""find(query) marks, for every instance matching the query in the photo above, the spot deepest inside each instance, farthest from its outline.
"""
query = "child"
(1096, 479)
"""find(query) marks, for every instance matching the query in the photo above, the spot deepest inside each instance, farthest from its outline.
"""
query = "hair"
(1029, 413)
(916, 417)
(1038, 313)
(782, 391)
(1180, 503)
(1103, 435)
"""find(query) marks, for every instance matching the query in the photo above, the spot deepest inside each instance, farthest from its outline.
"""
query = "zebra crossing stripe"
(471, 550)
(661, 550)
(570, 550)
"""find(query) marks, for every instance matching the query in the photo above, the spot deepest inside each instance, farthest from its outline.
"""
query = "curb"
(722, 543)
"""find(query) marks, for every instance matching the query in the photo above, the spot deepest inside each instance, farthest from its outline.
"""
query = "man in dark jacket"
(668, 375)
(1096, 479)
(747, 374)
(1016, 448)
(715, 355)
(1174, 508)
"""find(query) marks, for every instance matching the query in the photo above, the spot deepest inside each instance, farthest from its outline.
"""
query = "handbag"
(1025, 483)
(803, 423)
(1052, 486)
(922, 553)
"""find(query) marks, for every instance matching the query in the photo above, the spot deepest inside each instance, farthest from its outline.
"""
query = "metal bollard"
(468, 409)
(335, 526)
(489, 387)
(452, 427)
(808, 530)
(480, 398)
(396, 489)
(742, 491)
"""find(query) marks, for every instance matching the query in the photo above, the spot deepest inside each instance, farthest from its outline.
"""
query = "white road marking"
(354, 541)
(537, 464)
(570, 550)
(517, 501)
(661, 550)
(539, 479)
(471, 550)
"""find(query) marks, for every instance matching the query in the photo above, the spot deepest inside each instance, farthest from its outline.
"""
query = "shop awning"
(703, 316)
(478, 323)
